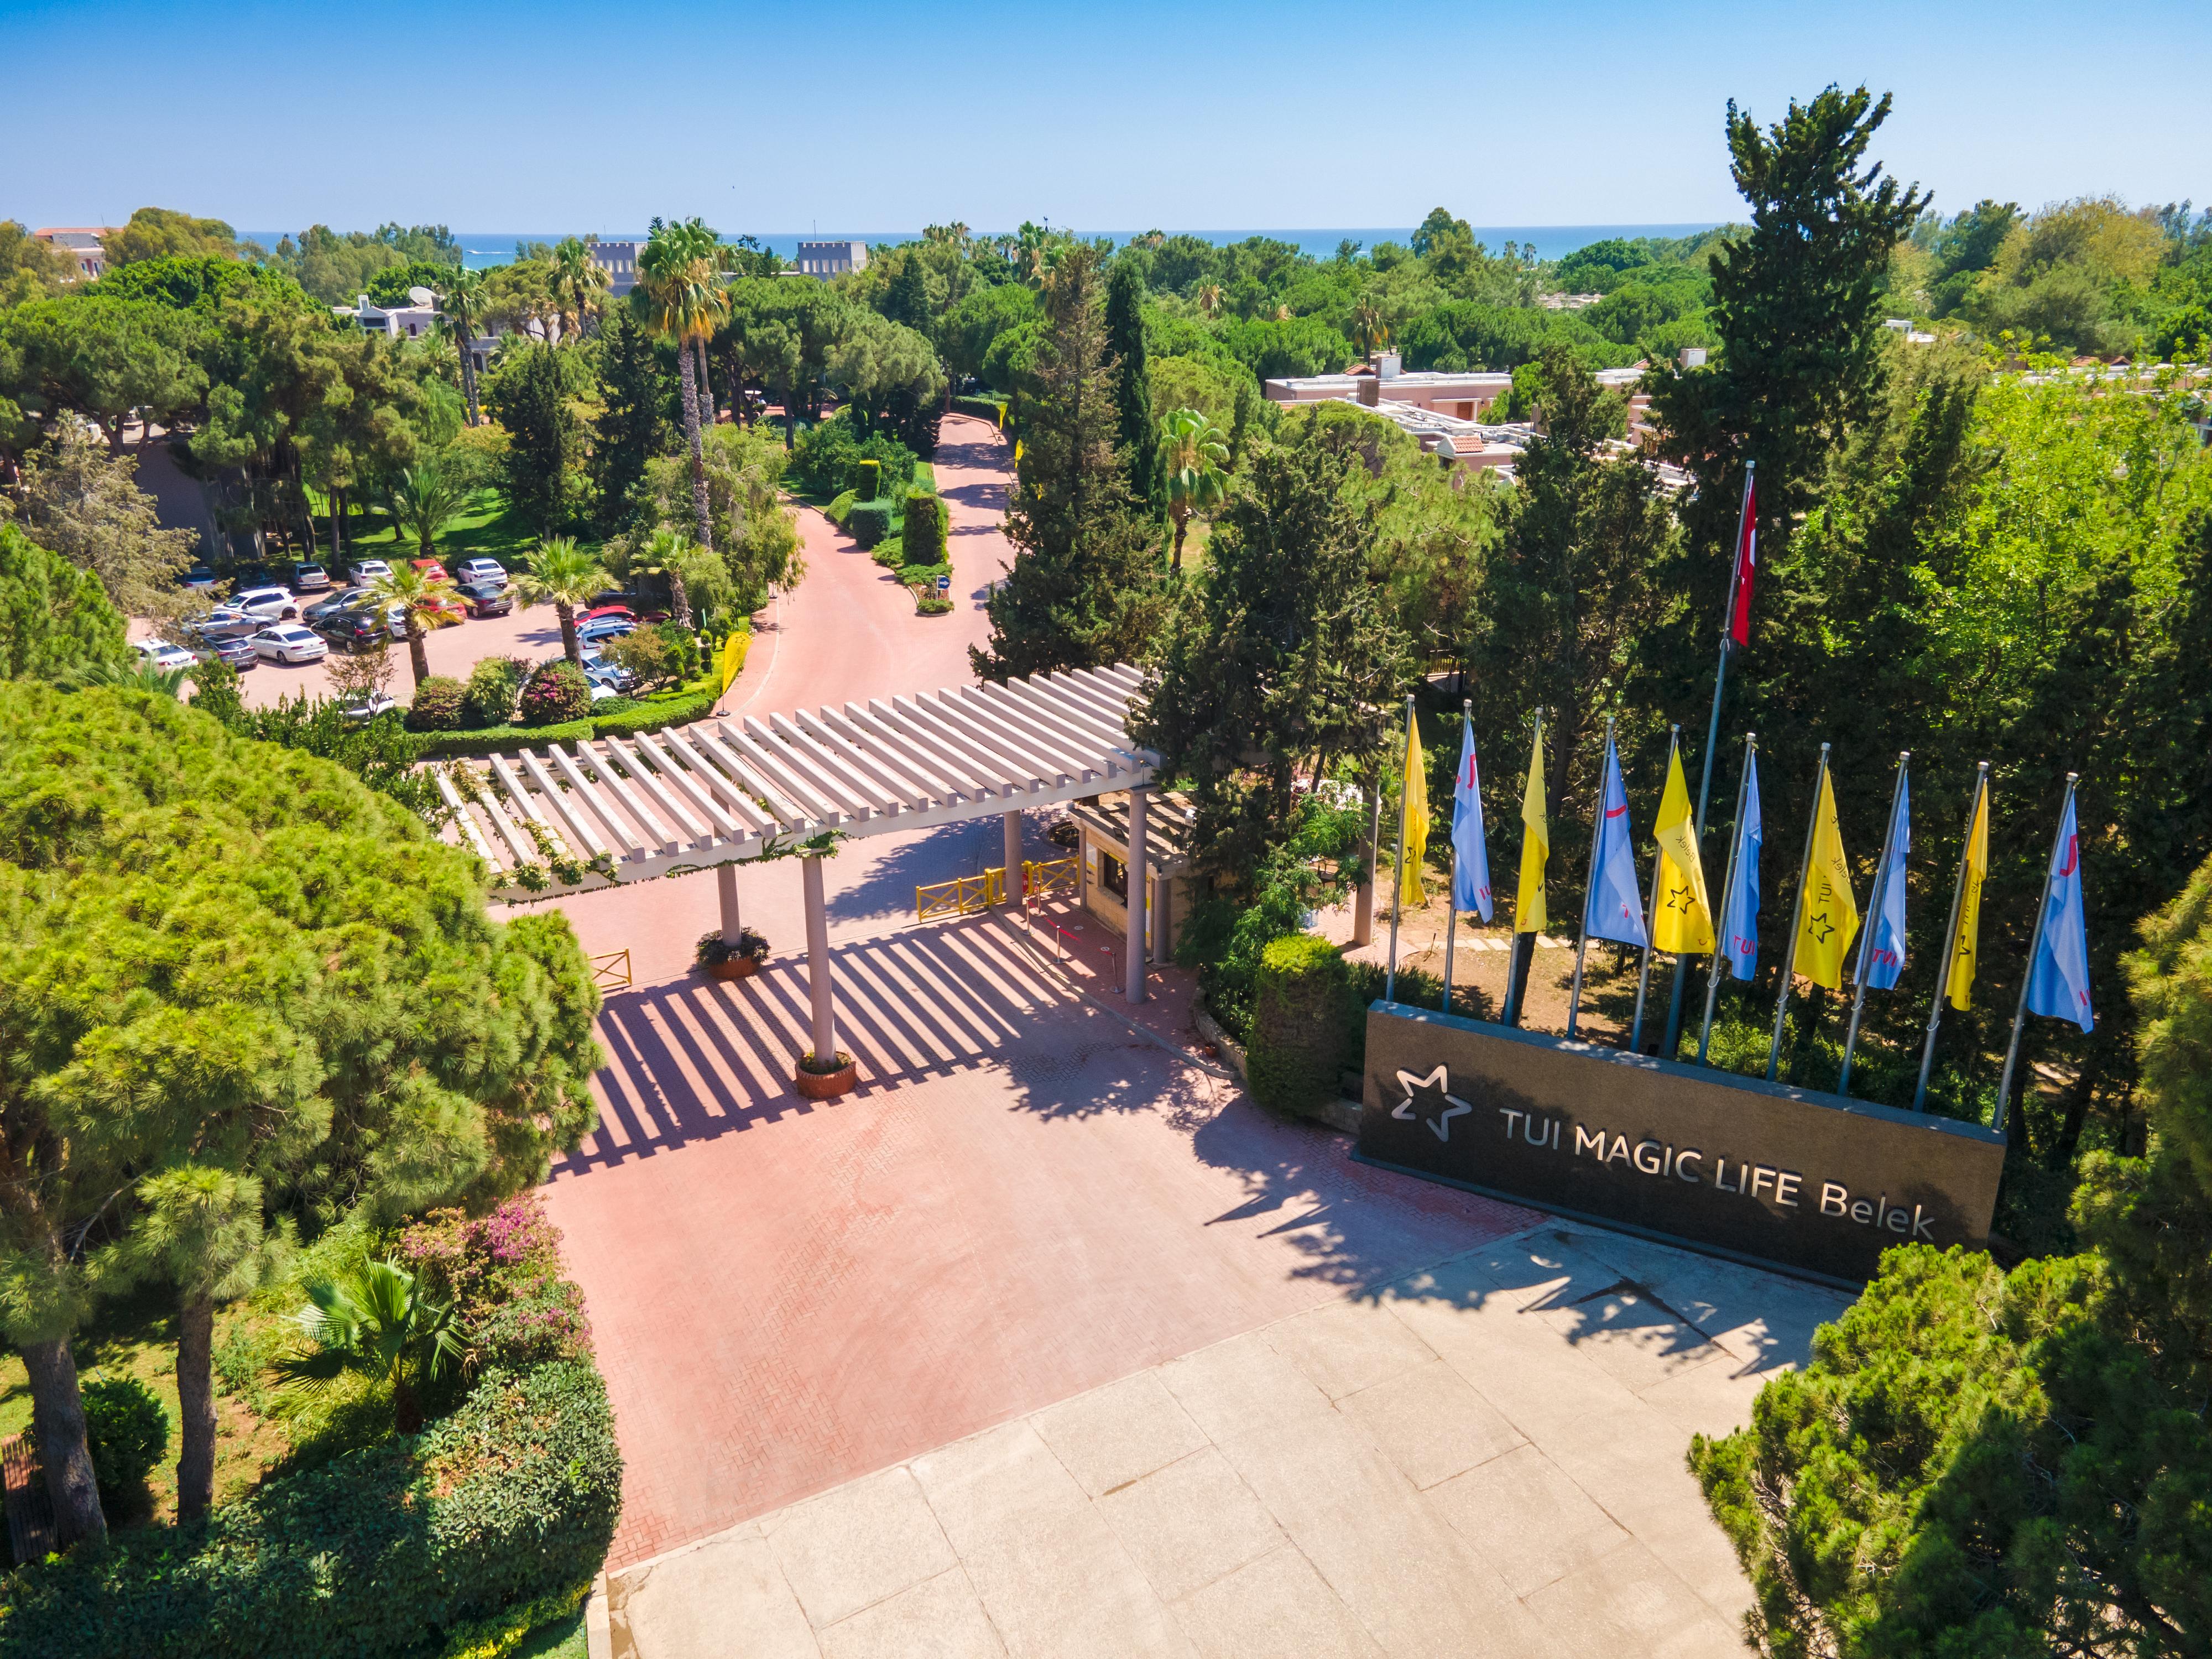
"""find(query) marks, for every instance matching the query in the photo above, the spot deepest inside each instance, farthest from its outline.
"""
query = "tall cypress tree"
(1083, 589)
(1139, 438)
(636, 421)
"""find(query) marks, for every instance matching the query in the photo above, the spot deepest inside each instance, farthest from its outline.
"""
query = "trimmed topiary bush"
(437, 705)
(924, 529)
(556, 691)
(837, 509)
(869, 522)
(128, 1432)
(1298, 1023)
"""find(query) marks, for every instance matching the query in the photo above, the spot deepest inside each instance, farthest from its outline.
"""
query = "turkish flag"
(1747, 565)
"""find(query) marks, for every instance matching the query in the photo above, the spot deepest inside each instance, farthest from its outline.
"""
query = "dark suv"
(486, 599)
(355, 630)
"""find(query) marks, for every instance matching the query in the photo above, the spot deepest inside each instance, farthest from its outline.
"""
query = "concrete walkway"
(1483, 1458)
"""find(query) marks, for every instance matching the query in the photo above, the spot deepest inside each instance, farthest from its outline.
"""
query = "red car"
(430, 567)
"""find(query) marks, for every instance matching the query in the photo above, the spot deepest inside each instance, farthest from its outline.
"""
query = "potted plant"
(818, 1081)
(723, 960)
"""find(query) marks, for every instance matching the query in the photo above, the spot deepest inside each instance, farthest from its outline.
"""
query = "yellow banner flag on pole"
(1960, 979)
(1827, 916)
(1415, 843)
(1529, 916)
(1685, 917)
(733, 655)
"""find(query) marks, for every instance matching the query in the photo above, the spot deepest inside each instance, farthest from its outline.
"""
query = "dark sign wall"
(1802, 1180)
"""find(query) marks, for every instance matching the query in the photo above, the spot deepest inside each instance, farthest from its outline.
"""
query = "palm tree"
(1209, 298)
(663, 555)
(139, 676)
(463, 302)
(562, 574)
(1368, 327)
(423, 500)
(373, 1320)
(1195, 453)
(579, 279)
(419, 592)
(681, 298)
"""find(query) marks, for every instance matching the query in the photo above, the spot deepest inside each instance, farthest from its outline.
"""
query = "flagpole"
(1451, 898)
(1796, 917)
(1513, 977)
(2034, 945)
(1950, 937)
(1874, 924)
(1582, 935)
(1712, 738)
(1398, 878)
(1651, 925)
(1727, 895)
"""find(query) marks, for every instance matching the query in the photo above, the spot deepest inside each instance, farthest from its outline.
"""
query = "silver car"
(290, 643)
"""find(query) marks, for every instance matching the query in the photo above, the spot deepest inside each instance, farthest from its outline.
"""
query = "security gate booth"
(1103, 863)
(719, 794)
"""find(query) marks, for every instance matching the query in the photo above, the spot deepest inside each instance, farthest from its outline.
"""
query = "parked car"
(238, 653)
(601, 691)
(290, 643)
(269, 604)
(224, 624)
(352, 598)
(473, 571)
(367, 709)
(492, 598)
(199, 576)
(597, 667)
(441, 611)
(599, 610)
(356, 629)
(365, 571)
(605, 628)
(431, 568)
(160, 654)
(309, 578)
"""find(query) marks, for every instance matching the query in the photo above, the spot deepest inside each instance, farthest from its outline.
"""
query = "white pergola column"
(1013, 858)
(819, 989)
(725, 882)
(1134, 949)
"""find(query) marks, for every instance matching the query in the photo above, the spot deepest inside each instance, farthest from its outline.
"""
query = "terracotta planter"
(825, 1085)
(732, 968)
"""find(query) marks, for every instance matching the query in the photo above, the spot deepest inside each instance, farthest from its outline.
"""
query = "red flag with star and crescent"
(1746, 563)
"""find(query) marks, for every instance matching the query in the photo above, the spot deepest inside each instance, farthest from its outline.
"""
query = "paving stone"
(1190, 1523)
(1277, 1608)
(1431, 1424)
(1064, 1589)
(937, 1618)
(698, 1600)
(1525, 1516)
(1627, 1602)
(853, 1546)
(1349, 1346)
(1119, 1433)
(1240, 1384)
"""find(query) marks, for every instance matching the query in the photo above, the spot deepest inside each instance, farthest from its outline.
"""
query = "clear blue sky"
(771, 118)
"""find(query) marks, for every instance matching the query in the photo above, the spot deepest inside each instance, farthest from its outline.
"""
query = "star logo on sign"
(1680, 898)
(1820, 927)
(1430, 1102)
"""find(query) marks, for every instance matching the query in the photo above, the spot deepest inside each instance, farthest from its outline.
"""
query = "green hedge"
(869, 522)
(839, 507)
(385, 1551)
(984, 408)
(925, 530)
(675, 707)
(1298, 1023)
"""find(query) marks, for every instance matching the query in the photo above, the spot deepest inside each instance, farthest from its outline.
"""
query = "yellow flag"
(1417, 816)
(1535, 848)
(1685, 917)
(1827, 916)
(1960, 979)
(733, 655)
(1017, 449)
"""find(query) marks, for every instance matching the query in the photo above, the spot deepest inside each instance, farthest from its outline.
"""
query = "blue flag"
(1740, 913)
(1885, 954)
(1470, 854)
(2058, 983)
(1614, 907)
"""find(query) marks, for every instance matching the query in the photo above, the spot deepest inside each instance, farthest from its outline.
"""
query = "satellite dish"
(422, 296)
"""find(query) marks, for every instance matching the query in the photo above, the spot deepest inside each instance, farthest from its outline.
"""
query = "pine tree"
(1139, 436)
(1082, 590)
(636, 423)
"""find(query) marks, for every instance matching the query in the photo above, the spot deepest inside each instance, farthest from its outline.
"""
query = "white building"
(413, 320)
(619, 260)
(831, 259)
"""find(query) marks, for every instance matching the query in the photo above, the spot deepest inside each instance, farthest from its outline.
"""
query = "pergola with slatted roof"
(721, 791)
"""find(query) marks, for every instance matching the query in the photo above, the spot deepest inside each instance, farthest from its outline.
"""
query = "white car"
(601, 691)
(480, 570)
(365, 571)
(363, 711)
(290, 643)
(269, 604)
(160, 654)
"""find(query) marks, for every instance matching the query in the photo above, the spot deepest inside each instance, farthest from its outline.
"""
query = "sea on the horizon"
(483, 249)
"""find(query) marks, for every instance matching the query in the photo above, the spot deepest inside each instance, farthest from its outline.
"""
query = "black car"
(354, 629)
(352, 600)
(486, 599)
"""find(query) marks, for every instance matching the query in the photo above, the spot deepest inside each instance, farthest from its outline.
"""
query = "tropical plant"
(1195, 454)
(578, 280)
(464, 301)
(140, 675)
(664, 554)
(680, 295)
(1209, 298)
(560, 573)
(1369, 326)
(421, 501)
(371, 1321)
(419, 592)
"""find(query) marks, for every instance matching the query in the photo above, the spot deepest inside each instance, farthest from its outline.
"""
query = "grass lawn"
(562, 1639)
(486, 530)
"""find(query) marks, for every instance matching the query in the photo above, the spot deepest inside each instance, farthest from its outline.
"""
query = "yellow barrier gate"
(611, 971)
(1044, 876)
(964, 896)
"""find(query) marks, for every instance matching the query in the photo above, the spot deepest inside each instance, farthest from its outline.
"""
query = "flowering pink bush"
(503, 1274)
